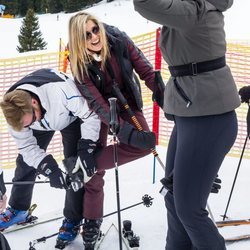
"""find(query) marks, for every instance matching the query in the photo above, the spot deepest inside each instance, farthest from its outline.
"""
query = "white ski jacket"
(63, 103)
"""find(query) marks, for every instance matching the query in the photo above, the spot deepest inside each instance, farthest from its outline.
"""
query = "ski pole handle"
(113, 115)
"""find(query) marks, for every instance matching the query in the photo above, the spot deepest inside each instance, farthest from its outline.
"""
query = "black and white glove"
(129, 135)
(49, 168)
(74, 178)
(244, 93)
(86, 160)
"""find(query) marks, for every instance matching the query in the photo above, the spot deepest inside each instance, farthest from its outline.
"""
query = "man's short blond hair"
(14, 105)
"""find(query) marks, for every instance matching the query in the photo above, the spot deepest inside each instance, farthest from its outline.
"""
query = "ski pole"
(146, 201)
(113, 126)
(25, 182)
(124, 103)
(239, 164)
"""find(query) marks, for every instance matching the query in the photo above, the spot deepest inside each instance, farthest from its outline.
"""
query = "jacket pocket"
(182, 93)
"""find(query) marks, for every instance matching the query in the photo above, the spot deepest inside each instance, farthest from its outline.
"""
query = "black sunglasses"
(33, 119)
(95, 30)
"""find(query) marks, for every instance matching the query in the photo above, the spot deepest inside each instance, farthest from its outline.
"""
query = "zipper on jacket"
(183, 95)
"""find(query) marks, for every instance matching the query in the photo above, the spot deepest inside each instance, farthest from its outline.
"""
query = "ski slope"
(135, 178)
(148, 222)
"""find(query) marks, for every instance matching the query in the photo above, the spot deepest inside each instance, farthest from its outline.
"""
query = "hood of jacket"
(221, 5)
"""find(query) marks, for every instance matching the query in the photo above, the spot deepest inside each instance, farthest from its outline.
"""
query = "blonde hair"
(14, 105)
(78, 52)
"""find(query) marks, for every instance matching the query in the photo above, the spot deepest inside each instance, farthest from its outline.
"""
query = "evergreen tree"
(30, 37)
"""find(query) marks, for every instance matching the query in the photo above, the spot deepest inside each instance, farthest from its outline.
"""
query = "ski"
(34, 221)
(232, 223)
(104, 242)
(237, 238)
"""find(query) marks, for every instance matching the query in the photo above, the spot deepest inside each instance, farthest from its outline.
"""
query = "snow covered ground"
(150, 223)
(136, 177)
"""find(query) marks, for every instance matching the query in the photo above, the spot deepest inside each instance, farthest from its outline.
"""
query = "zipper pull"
(188, 104)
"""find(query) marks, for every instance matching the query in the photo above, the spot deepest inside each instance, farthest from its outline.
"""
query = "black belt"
(192, 69)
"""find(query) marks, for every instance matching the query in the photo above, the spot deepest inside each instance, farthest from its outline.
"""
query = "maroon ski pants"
(94, 195)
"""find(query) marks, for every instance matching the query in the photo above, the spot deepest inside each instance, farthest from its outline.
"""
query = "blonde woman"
(103, 58)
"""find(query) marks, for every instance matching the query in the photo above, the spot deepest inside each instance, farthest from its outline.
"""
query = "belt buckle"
(194, 69)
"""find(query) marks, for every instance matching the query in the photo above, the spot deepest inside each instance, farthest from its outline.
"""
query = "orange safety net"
(11, 70)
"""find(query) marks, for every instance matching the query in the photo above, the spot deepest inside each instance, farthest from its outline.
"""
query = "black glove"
(167, 182)
(244, 93)
(49, 168)
(74, 178)
(159, 87)
(128, 134)
(216, 185)
(86, 159)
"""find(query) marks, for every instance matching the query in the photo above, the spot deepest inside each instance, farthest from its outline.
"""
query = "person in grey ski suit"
(200, 97)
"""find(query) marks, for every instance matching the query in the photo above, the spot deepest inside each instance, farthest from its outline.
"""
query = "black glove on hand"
(244, 93)
(86, 159)
(49, 168)
(167, 182)
(74, 178)
(159, 87)
(128, 134)
(216, 185)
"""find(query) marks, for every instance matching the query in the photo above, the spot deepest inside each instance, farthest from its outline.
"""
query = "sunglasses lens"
(95, 30)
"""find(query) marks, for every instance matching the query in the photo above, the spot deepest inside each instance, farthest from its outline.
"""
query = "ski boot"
(13, 216)
(67, 233)
(91, 233)
(128, 234)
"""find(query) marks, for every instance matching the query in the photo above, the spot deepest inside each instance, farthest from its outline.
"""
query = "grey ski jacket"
(193, 31)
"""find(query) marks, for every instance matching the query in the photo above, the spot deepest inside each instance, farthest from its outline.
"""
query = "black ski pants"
(21, 195)
(196, 151)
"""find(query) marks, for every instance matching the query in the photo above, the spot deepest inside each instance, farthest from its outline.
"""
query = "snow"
(136, 177)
